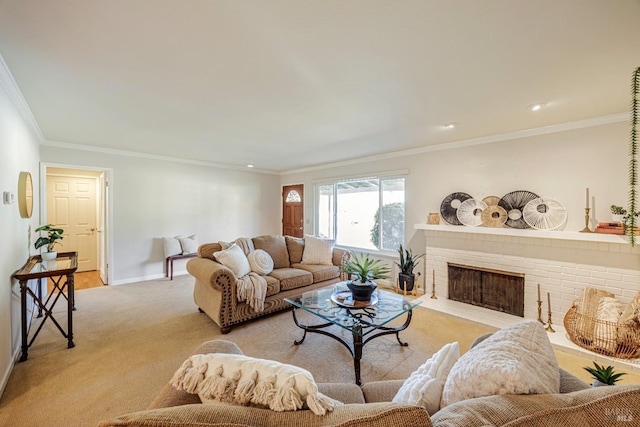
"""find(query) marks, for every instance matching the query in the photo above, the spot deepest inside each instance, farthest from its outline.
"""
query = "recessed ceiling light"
(450, 125)
(249, 166)
(536, 107)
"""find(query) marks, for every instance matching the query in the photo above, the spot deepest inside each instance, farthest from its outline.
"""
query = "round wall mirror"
(25, 194)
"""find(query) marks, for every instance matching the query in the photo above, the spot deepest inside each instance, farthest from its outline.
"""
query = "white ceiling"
(288, 84)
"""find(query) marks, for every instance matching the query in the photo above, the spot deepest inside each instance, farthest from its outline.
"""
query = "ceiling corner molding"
(560, 127)
(10, 87)
(125, 153)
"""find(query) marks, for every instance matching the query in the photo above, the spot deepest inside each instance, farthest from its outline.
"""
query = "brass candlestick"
(549, 328)
(586, 228)
(540, 312)
(433, 286)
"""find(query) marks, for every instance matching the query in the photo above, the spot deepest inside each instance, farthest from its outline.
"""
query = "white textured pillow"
(518, 359)
(189, 244)
(239, 379)
(605, 335)
(317, 250)
(235, 259)
(260, 262)
(171, 246)
(424, 386)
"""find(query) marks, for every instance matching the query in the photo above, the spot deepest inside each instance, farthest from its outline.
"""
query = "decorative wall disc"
(494, 216)
(449, 207)
(513, 203)
(491, 200)
(470, 211)
(544, 213)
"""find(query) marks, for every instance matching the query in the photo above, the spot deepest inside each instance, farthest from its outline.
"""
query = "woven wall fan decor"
(449, 207)
(513, 203)
(494, 216)
(470, 211)
(491, 200)
(544, 213)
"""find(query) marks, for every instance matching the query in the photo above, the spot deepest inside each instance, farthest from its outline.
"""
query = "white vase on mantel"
(616, 218)
(47, 256)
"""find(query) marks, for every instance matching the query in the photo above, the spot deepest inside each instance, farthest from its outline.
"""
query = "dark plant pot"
(406, 281)
(361, 292)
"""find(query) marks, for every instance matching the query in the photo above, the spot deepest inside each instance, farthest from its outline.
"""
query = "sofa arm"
(209, 271)
(381, 391)
(171, 396)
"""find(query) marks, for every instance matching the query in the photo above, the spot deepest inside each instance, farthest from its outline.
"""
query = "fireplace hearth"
(494, 289)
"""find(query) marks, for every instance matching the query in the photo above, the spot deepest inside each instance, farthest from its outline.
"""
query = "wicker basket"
(608, 338)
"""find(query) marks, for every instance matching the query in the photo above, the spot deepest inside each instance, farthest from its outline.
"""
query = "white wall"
(154, 199)
(556, 165)
(18, 152)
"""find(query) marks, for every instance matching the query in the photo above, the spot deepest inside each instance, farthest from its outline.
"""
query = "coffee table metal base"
(359, 337)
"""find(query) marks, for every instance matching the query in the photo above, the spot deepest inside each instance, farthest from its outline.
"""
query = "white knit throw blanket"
(252, 288)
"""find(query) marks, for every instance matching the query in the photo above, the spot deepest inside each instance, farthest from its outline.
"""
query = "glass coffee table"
(365, 320)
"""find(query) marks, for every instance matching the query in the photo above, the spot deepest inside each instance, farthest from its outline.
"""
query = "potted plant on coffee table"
(364, 270)
(408, 262)
(53, 235)
(603, 376)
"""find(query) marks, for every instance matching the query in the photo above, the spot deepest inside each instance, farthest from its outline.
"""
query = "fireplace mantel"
(528, 233)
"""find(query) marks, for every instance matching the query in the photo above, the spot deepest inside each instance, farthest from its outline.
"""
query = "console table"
(170, 259)
(60, 271)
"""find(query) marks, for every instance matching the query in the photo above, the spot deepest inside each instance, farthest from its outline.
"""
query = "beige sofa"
(215, 285)
(577, 405)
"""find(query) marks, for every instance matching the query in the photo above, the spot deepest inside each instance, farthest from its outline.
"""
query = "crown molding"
(126, 153)
(561, 127)
(10, 87)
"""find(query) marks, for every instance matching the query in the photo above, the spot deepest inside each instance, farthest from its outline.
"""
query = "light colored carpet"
(131, 338)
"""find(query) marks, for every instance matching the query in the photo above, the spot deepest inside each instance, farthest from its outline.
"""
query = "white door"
(72, 206)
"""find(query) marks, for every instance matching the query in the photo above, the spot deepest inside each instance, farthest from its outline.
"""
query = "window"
(367, 213)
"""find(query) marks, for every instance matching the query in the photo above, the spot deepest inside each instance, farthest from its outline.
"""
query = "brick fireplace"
(562, 262)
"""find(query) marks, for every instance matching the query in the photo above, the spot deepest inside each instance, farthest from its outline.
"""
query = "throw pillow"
(241, 380)
(424, 386)
(171, 246)
(260, 262)
(276, 247)
(317, 250)
(631, 315)
(234, 259)
(518, 359)
(189, 244)
(605, 334)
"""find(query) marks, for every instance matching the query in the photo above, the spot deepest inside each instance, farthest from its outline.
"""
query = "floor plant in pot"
(362, 270)
(53, 235)
(603, 376)
(408, 262)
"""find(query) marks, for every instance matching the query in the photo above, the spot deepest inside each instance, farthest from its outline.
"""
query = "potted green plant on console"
(53, 235)
(364, 270)
(408, 262)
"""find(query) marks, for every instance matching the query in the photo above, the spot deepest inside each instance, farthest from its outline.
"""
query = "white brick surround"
(563, 263)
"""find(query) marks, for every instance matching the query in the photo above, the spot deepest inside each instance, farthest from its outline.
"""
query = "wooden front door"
(292, 210)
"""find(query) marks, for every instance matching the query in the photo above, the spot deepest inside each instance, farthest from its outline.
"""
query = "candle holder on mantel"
(549, 328)
(540, 312)
(433, 286)
(586, 228)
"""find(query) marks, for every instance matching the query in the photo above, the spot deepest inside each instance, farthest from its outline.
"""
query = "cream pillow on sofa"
(235, 259)
(424, 386)
(317, 251)
(518, 359)
(241, 380)
(260, 262)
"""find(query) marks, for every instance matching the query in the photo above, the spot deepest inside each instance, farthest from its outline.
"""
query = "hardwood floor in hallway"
(84, 280)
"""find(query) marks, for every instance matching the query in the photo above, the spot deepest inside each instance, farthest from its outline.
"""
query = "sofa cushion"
(240, 380)
(597, 406)
(292, 278)
(424, 386)
(295, 246)
(206, 250)
(274, 246)
(317, 250)
(234, 259)
(353, 415)
(518, 359)
(320, 272)
(273, 285)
